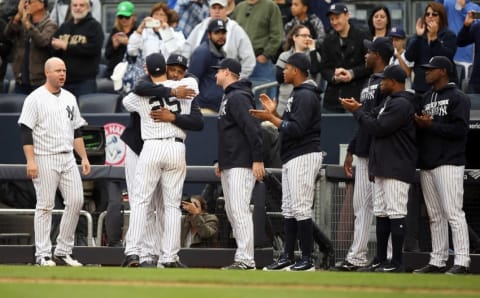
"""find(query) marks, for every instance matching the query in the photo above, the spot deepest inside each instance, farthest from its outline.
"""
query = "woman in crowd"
(379, 22)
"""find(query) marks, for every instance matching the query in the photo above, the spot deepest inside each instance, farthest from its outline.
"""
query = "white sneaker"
(67, 260)
(45, 262)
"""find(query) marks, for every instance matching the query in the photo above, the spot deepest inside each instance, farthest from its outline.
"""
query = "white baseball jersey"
(46, 114)
(143, 105)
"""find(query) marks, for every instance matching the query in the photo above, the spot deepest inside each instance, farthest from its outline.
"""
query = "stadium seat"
(105, 85)
(474, 100)
(11, 102)
(98, 103)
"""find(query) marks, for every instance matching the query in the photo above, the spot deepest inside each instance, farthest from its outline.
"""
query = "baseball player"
(50, 123)
(378, 56)
(394, 140)
(301, 160)
(162, 162)
(240, 158)
(442, 128)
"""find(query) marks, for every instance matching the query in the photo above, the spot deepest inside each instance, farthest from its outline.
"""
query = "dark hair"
(171, 17)
(203, 202)
(289, 43)
(442, 15)
(306, 3)
(370, 20)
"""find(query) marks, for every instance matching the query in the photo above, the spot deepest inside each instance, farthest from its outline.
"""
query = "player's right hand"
(267, 103)
(32, 170)
(347, 165)
(184, 92)
(217, 170)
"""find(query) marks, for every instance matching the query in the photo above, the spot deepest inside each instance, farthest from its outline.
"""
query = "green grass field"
(88, 282)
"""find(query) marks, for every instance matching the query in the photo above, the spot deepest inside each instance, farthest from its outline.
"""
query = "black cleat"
(389, 268)
(304, 264)
(346, 266)
(457, 269)
(279, 265)
(238, 266)
(131, 261)
(176, 264)
(430, 269)
(371, 267)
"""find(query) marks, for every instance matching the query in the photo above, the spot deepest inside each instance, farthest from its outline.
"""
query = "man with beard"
(209, 53)
(79, 43)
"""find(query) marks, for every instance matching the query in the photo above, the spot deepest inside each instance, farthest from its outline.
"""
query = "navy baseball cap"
(155, 64)
(382, 45)
(216, 25)
(337, 8)
(397, 32)
(439, 62)
(300, 61)
(230, 64)
(177, 59)
(394, 72)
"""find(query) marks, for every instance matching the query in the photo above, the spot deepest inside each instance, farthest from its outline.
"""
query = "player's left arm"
(79, 147)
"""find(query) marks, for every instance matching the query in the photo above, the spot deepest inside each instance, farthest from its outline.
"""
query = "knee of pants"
(75, 202)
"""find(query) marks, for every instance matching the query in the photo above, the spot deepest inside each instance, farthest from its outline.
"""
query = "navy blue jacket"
(370, 97)
(466, 36)
(301, 122)
(420, 51)
(145, 87)
(203, 58)
(443, 143)
(393, 153)
(240, 137)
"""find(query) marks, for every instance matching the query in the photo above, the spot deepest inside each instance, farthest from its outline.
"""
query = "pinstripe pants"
(298, 185)
(56, 171)
(391, 197)
(363, 212)
(237, 184)
(162, 163)
(443, 192)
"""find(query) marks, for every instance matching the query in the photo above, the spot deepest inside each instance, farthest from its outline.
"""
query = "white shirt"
(149, 42)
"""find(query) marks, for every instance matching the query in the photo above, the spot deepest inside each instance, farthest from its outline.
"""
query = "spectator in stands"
(156, 34)
(79, 43)
(199, 228)
(343, 62)
(32, 29)
(432, 38)
(208, 54)
(303, 16)
(319, 7)
(470, 34)
(117, 42)
(5, 51)
(191, 12)
(379, 22)
(285, 10)
(262, 21)
(298, 40)
(61, 11)
(237, 46)
(456, 11)
(399, 41)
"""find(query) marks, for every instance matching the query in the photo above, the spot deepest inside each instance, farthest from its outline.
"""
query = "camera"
(152, 23)
(184, 200)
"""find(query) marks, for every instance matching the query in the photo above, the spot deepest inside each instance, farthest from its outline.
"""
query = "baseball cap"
(394, 72)
(155, 64)
(397, 32)
(216, 25)
(300, 61)
(125, 8)
(337, 8)
(223, 3)
(382, 45)
(439, 62)
(230, 64)
(177, 59)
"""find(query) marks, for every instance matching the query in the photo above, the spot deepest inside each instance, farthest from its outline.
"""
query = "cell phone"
(152, 23)
(476, 14)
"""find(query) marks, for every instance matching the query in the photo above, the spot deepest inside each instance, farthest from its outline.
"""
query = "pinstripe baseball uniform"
(161, 162)
(442, 163)
(240, 144)
(53, 119)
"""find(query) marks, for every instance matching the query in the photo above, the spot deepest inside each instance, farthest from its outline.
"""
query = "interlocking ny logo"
(70, 110)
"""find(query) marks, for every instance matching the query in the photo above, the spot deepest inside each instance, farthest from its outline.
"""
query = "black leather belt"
(168, 139)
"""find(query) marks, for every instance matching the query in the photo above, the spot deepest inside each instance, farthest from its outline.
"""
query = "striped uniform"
(442, 164)
(53, 119)
(161, 162)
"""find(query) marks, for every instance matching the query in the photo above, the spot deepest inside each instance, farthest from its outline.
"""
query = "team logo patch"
(115, 148)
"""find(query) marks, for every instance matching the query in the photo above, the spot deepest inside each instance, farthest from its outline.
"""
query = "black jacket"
(443, 143)
(393, 153)
(301, 122)
(145, 87)
(240, 138)
(370, 97)
(349, 54)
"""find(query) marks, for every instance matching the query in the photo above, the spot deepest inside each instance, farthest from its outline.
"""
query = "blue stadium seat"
(98, 103)
(11, 102)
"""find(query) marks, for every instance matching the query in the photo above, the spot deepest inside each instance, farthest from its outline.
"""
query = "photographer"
(199, 228)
